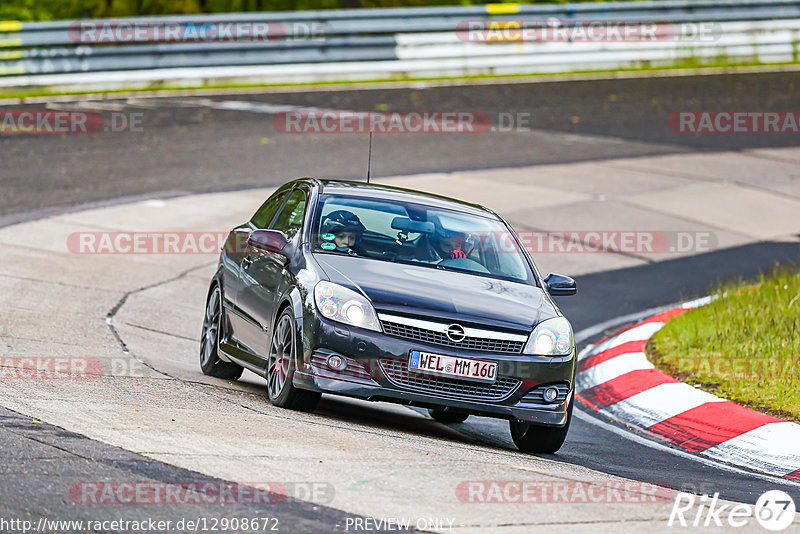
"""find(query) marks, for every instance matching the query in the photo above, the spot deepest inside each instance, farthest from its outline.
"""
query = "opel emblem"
(455, 333)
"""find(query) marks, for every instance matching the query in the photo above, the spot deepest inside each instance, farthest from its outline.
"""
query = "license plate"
(452, 366)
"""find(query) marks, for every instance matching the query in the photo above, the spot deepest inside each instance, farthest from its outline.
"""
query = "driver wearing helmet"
(343, 230)
(450, 245)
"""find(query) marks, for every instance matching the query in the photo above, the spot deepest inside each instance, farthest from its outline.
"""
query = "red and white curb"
(615, 378)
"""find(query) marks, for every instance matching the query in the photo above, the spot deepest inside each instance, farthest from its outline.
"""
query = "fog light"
(550, 394)
(336, 363)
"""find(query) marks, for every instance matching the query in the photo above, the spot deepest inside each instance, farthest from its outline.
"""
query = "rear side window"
(290, 219)
(267, 211)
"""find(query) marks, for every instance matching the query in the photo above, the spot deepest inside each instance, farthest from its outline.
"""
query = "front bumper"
(371, 358)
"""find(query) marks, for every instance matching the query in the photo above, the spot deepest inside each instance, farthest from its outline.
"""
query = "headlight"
(338, 303)
(552, 337)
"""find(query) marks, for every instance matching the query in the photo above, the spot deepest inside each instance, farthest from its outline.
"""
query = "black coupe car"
(389, 294)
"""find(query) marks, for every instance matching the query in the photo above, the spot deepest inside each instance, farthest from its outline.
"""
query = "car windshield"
(414, 233)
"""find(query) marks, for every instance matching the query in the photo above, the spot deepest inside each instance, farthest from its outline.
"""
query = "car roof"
(388, 192)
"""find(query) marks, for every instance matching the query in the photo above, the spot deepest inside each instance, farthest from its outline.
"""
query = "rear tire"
(532, 439)
(448, 415)
(210, 362)
(281, 365)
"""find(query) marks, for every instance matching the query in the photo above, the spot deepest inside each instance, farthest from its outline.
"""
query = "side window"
(290, 219)
(268, 209)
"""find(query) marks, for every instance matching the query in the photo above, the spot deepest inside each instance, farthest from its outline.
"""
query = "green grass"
(744, 347)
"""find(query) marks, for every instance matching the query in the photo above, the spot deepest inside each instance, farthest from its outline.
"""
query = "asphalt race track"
(197, 144)
(191, 145)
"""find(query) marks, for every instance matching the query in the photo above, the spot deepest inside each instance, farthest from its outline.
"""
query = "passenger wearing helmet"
(341, 230)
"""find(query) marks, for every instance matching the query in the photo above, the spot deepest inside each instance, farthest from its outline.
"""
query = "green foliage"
(28, 10)
(745, 346)
(22, 10)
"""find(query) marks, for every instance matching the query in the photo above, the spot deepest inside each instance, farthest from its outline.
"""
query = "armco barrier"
(385, 43)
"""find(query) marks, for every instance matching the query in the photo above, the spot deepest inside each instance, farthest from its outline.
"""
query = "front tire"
(280, 368)
(533, 439)
(210, 362)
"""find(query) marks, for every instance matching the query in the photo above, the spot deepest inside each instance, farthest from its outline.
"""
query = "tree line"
(29, 10)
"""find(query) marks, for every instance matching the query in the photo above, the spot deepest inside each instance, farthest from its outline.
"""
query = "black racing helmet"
(341, 221)
(444, 233)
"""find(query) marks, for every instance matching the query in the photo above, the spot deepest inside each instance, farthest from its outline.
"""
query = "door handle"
(247, 261)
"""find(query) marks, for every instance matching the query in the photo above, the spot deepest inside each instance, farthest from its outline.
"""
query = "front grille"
(439, 338)
(397, 373)
(536, 395)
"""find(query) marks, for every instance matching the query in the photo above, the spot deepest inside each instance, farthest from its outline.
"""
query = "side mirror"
(271, 241)
(559, 285)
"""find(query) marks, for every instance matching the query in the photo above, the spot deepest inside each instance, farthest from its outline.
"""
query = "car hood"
(441, 295)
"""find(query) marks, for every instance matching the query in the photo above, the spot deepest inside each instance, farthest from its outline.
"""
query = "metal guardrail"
(387, 41)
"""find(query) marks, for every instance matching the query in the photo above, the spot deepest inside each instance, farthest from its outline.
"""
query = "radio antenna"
(369, 156)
